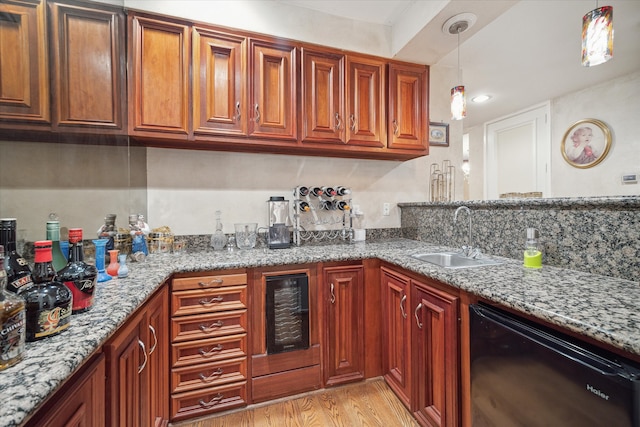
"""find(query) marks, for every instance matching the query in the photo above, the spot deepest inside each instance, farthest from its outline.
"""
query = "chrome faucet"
(467, 250)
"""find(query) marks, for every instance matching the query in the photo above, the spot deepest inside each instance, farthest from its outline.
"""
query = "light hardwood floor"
(368, 403)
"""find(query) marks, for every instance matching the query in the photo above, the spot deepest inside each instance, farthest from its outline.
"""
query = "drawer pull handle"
(212, 300)
(211, 327)
(402, 301)
(212, 402)
(211, 352)
(155, 340)
(415, 313)
(215, 374)
(216, 283)
(144, 351)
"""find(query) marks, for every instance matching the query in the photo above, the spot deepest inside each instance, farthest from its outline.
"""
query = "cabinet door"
(344, 320)
(436, 391)
(127, 374)
(408, 107)
(396, 356)
(82, 402)
(365, 119)
(159, 77)
(219, 83)
(24, 68)
(322, 97)
(273, 97)
(88, 68)
(158, 353)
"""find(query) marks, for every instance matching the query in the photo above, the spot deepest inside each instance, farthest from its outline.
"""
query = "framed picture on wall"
(439, 134)
(586, 143)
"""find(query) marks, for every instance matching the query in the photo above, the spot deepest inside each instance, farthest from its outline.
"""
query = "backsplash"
(599, 235)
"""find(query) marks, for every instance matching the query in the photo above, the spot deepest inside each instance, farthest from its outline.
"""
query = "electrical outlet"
(386, 209)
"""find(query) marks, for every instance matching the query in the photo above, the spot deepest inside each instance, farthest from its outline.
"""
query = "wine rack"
(321, 213)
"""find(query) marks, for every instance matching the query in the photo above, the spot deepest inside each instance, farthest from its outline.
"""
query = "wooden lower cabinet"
(343, 300)
(81, 403)
(137, 365)
(421, 337)
(209, 366)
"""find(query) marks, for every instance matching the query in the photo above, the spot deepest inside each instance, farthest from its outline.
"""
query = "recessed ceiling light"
(481, 98)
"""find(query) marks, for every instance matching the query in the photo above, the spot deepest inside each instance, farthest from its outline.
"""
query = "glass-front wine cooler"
(287, 311)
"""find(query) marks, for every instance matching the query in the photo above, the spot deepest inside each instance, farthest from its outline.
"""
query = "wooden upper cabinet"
(365, 89)
(24, 69)
(323, 118)
(159, 77)
(408, 107)
(219, 83)
(273, 93)
(88, 68)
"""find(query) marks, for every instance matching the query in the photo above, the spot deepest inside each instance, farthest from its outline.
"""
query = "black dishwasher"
(523, 374)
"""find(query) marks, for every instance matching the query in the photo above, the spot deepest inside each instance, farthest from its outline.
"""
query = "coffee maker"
(279, 222)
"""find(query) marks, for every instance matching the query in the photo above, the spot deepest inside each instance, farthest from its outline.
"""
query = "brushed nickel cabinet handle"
(214, 375)
(155, 340)
(238, 114)
(338, 122)
(396, 129)
(144, 351)
(212, 402)
(212, 300)
(257, 109)
(402, 310)
(211, 352)
(353, 123)
(416, 314)
(212, 327)
(216, 283)
(333, 295)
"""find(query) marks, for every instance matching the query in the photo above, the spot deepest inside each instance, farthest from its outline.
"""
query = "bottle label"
(82, 291)
(19, 282)
(85, 285)
(12, 337)
(51, 322)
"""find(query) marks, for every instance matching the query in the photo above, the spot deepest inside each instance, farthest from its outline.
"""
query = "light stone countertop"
(600, 307)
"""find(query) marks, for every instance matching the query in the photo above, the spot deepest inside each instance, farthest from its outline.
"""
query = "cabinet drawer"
(206, 282)
(208, 300)
(197, 403)
(201, 326)
(209, 375)
(209, 350)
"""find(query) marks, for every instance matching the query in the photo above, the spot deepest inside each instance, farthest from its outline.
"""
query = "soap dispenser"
(532, 251)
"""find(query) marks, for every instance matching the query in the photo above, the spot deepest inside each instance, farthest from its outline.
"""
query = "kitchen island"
(598, 307)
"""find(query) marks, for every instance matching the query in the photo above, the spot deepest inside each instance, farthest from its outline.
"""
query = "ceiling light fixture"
(457, 25)
(597, 36)
(480, 99)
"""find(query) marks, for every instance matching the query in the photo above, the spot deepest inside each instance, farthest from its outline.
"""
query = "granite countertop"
(600, 307)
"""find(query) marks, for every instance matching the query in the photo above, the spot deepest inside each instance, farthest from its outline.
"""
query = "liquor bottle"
(303, 191)
(77, 275)
(18, 271)
(329, 191)
(342, 191)
(316, 191)
(53, 234)
(218, 239)
(49, 303)
(303, 206)
(12, 322)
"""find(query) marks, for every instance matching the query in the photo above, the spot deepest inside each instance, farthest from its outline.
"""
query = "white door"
(517, 154)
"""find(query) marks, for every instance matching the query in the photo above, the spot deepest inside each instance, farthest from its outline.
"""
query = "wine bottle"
(303, 191)
(341, 205)
(304, 206)
(53, 234)
(342, 191)
(18, 271)
(12, 322)
(77, 275)
(49, 303)
(329, 191)
(316, 191)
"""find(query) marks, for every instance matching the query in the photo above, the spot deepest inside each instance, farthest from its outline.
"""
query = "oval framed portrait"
(586, 143)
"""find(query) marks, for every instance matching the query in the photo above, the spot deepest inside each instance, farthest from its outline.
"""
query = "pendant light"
(457, 25)
(597, 36)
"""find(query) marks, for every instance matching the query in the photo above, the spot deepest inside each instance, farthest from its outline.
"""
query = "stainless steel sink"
(453, 260)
